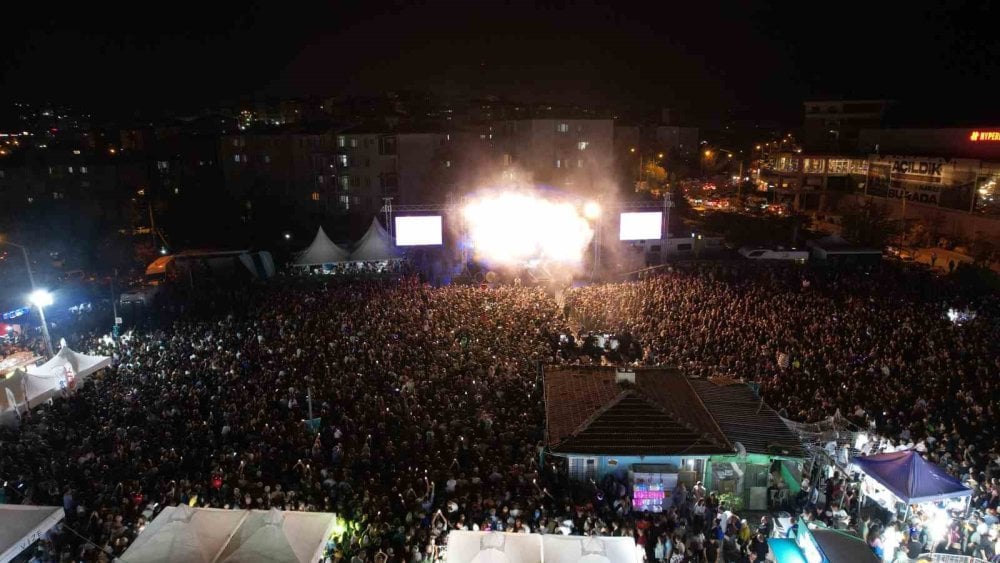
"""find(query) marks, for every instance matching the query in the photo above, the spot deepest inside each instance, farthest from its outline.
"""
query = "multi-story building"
(947, 178)
(573, 154)
(835, 125)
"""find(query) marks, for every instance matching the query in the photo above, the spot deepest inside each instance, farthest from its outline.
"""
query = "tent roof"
(209, 535)
(81, 364)
(21, 525)
(322, 250)
(839, 546)
(281, 537)
(911, 478)
(375, 244)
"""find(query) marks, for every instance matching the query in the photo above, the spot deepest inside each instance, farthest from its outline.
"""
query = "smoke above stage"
(515, 228)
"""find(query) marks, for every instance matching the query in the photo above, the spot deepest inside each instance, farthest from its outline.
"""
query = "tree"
(655, 180)
(868, 224)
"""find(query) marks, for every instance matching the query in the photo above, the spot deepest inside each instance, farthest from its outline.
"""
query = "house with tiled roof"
(658, 427)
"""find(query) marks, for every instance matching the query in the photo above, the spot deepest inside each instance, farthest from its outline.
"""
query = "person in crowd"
(429, 413)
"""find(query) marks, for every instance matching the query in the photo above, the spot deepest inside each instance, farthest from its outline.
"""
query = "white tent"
(321, 251)
(282, 537)
(22, 525)
(375, 245)
(65, 370)
(182, 533)
(501, 547)
(210, 535)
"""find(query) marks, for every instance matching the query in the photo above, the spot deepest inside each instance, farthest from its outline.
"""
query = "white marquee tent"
(501, 547)
(321, 251)
(22, 525)
(375, 245)
(210, 535)
(65, 370)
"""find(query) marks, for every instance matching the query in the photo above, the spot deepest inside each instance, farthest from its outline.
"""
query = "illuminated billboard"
(422, 230)
(646, 225)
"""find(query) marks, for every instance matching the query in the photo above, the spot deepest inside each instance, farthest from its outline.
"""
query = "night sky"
(702, 58)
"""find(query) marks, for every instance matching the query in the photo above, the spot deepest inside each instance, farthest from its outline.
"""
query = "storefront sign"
(917, 167)
(15, 313)
(919, 196)
(985, 136)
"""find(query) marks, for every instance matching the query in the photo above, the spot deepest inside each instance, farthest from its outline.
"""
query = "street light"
(591, 210)
(41, 298)
(288, 236)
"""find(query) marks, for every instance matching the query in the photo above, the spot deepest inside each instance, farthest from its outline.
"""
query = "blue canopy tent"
(911, 478)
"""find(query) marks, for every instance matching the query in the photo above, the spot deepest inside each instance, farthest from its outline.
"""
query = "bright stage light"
(511, 228)
(591, 210)
(41, 298)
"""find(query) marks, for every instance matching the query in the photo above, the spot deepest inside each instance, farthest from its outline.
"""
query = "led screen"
(646, 225)
(423, 230)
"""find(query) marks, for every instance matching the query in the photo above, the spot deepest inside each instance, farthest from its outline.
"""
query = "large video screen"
(645, 225)
(418, 230)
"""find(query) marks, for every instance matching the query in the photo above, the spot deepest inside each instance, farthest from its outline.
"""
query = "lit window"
(563, 128)
(267, 158)
(345, 200)
(345, 182)
(447, 164)
(70, 168)
(342, 159)
(83, 170)
(319, 179)
(57, 195)
(558, 163)
(51, 171)
(177, 191)
(579, 164)
(162, 165)
(354, 143)
(447, 137)
(315, 196)
(31, 200)
(236, 158)
(582, 145)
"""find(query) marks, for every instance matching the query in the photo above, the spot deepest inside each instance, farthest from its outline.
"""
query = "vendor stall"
(23, 525)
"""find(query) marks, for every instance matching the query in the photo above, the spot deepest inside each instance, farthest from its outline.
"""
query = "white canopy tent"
(501, 547)
(210, 535)
(375, 245)
(322, 250)
(22, 525)
(65, 370)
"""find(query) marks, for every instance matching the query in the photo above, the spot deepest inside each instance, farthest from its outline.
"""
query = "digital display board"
(645, 225)
(418, 230)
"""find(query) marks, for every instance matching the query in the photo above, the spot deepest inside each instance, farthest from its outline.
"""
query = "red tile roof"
(662, 413)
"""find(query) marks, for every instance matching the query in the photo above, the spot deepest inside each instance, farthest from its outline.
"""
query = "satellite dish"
(741, 451)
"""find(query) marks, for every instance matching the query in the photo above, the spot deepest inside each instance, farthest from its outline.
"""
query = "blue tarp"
(911, 478)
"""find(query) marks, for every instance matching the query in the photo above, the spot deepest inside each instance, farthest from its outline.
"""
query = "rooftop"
(663, 412)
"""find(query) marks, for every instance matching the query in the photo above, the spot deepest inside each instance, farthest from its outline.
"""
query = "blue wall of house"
(619, 466)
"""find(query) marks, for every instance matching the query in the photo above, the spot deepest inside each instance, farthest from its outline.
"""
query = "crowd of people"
(430, 406)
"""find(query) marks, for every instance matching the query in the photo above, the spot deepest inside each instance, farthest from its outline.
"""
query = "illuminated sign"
(985, 136)
(649, 497)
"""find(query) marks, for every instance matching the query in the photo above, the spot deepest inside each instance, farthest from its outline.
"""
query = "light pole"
(42, 299)
(39, 298)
